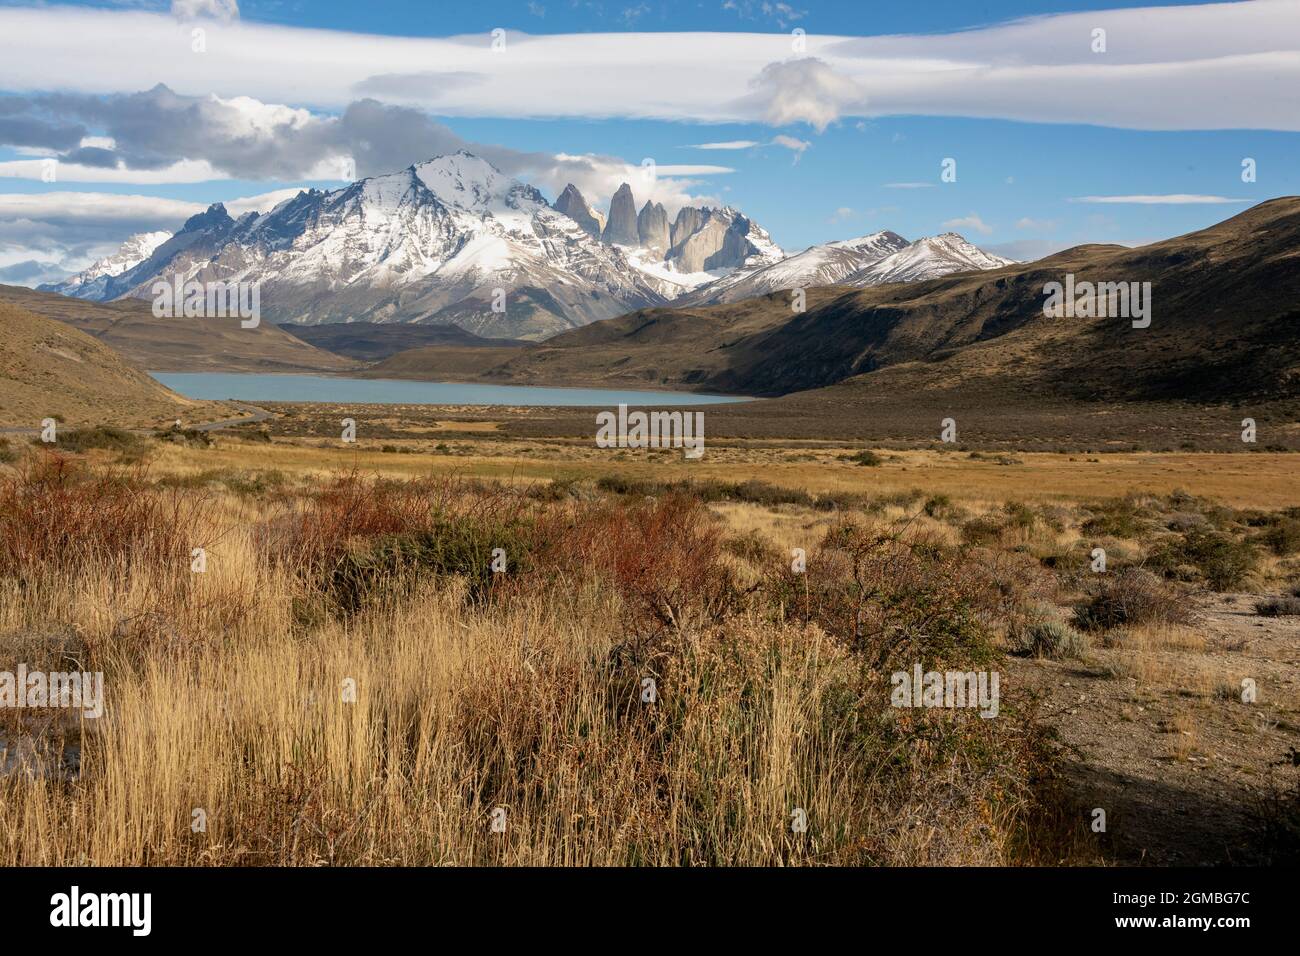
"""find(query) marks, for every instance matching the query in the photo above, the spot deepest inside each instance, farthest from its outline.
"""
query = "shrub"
(1278, 606)
(1222, 560)
(983, 531)
(1054, 639)
(1115, 518)
(455, 546)
(752, 491)
(752, 547)
(866, 458)
(891, 599)
(664, 557)
(1185, 521)
(1020, 515)
(57, 514)
(937, 506)
(1131, 596)
(105, 437)
(1283, 538)
(190, 437)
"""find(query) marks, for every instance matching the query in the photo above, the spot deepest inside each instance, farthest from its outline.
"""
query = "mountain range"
(1224, 327)
(454, 240)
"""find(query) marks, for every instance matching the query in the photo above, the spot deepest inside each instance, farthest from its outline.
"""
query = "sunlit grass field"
(353, 680)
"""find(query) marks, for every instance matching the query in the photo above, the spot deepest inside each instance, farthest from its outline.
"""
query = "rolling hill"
(373, 341)
(50, 370)
(179, 344)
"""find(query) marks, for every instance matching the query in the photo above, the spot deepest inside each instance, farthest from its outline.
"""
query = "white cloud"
(1036, 225)
(1171, 199)
(47, 236)
(262, 203)
(972, 222)
(1210, 66)
(792, 143)
(686, 170)
(806, 90)
(184, 171)
(729, 144)
(97, 208)
(193, 9)
(598, 177)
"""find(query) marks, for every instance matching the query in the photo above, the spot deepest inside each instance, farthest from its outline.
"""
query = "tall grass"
(350, 683)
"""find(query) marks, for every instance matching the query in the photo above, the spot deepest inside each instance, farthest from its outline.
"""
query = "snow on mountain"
(927, 258)
(436, 239)
(90, 282)
(824, 264)
(454, 239)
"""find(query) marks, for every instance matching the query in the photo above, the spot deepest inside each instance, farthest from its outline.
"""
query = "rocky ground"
(1187, 773)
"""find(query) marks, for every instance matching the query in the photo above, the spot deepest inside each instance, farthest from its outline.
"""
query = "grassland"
(348, 681)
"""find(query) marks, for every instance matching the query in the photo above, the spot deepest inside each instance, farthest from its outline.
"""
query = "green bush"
(937, 506)
(1115, 518)
(1224, 562)
(104, 437)
(461, 546)
(1283, 538)
(866, 458)
(1020, 515)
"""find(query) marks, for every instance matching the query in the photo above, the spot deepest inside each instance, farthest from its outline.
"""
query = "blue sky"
(1056, 142)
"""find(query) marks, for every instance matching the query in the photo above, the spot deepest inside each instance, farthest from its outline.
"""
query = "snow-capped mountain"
(438, 238)
(824, 264)
(868, 260)
(90, 282)
(927, 258)
(451, 238)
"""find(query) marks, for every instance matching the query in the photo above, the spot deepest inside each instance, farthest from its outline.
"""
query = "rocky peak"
(573, 204)
(652, 227)
(620, 227)
(214, 217)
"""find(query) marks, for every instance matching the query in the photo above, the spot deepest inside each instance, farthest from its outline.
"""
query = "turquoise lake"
(253, 387)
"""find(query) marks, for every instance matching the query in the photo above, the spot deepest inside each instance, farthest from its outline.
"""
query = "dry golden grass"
(392, 735)
(228, 689)
(1261, 480)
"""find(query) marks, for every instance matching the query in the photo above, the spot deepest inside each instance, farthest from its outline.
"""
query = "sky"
(1025, 126)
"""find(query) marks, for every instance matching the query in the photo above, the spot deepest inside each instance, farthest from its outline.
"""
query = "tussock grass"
(231, 690)
(349, 683)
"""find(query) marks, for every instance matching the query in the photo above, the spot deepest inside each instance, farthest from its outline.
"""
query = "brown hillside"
(179, 345)
(49, 369)
(1225, 327)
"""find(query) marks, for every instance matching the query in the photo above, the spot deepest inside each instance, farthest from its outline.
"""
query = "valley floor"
(1122, 691)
